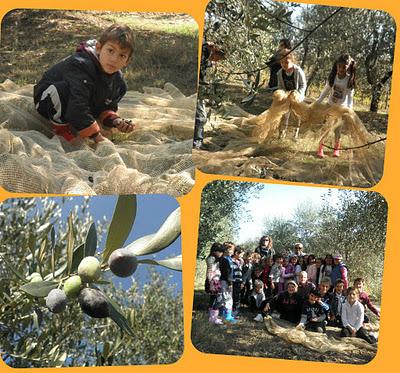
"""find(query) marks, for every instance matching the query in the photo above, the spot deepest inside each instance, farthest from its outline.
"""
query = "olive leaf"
(77, 256)
(166, 234)
(121, 224)
(70, 243)
(174, 263)
(39, 289)
(91, 241)
(53, 245)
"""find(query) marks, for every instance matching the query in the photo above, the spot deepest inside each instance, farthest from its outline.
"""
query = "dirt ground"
(249, 338)
(166, 45)
(231, 150)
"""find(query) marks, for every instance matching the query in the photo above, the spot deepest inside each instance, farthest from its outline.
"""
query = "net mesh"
(315, 341)
(245, 145)
(155, 158)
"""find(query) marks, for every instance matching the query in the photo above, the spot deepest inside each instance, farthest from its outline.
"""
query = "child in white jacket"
(353, 317)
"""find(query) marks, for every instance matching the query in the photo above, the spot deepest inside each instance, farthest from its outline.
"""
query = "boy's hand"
(124, 125)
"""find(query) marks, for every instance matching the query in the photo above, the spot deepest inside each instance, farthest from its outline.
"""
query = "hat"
(291, 282)
(337, 256)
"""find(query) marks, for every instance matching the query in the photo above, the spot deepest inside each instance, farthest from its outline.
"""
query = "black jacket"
(288, 305)
(91, 91)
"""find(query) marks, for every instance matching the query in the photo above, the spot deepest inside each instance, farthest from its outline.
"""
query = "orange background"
(193, 360)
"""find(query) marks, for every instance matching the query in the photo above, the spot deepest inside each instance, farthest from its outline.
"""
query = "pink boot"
(320, 152)
(336, 151)
(214, 319)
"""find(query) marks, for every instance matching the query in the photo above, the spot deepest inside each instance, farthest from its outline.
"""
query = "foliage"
(31, 336)
(221, 210)
(249, 31)
(355, 228)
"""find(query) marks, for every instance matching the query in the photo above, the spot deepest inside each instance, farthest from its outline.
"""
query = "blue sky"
(152, 210)
(278, 201)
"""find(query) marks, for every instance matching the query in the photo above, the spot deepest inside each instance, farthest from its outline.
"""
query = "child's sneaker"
(258, 318)
(63, 130)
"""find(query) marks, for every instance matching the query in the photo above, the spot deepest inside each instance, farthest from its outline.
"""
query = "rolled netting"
(155, 158)
(246, 145)
(315, 341)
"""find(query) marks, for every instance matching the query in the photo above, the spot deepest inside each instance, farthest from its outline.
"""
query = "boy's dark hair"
(315, 292)
(277, 256)
(339, 281)
(238, 250)
(359, 279)
(122, 34)
(258, 268)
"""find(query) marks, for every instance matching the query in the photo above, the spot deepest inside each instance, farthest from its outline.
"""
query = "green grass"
(159, 23)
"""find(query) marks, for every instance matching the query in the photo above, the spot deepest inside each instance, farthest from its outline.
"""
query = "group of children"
(339, 87)
(307, 291)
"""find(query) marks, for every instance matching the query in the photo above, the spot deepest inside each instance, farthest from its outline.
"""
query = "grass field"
(165, 49)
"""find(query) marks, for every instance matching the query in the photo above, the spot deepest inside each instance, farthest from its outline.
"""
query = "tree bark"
(377, 92)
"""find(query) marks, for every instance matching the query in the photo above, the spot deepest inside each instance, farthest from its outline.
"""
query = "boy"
(323, 289)
(226, 268)
(81, 93)
(353, 317)
(275, 273)
(336, 305)
(258, 300)
(312, 314)
(304, 286)
(237, 278)
(246, 277)
(364, 299)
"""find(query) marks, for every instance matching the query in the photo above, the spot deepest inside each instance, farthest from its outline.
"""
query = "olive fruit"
(56, 301)
(93, 303)
(122, 263)
(72, 286)
(89, 269)
(35, 277)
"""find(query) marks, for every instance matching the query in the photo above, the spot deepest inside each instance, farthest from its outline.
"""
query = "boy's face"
(258, 289)
(303, 278)
(359, 285)
(323, 288)
(112, 57)
(312, 298)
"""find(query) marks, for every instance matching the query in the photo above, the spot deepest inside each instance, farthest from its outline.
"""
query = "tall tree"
(221, 209)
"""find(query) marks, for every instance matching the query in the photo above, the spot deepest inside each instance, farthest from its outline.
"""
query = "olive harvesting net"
(154, 158)
(316, 341)
(241, 144)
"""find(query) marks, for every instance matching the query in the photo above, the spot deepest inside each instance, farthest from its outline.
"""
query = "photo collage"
(198, 186)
